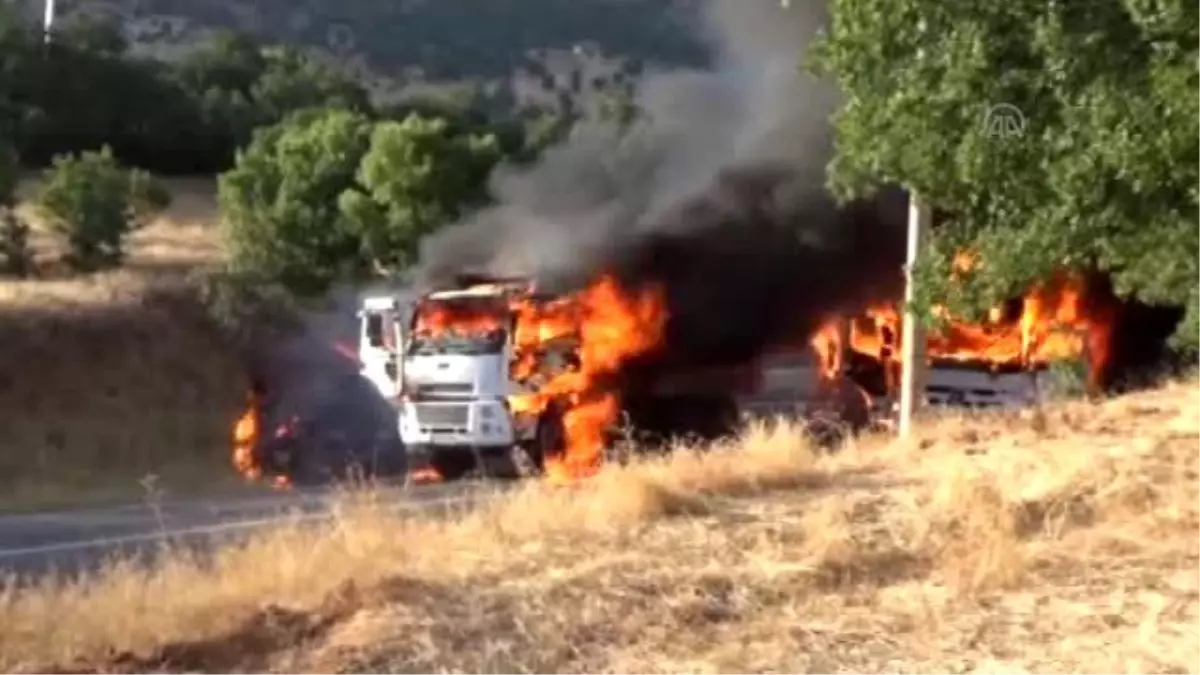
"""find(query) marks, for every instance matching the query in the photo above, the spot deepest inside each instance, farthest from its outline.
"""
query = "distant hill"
(534, 51)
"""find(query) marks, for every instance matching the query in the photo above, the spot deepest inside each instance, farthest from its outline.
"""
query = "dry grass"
(98, 386)
(1066, 543)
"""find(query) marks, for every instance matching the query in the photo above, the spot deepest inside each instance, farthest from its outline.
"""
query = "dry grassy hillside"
(1055, 542)
(102, 387)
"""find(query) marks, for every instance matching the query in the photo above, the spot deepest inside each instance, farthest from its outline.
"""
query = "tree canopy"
(279, 203)
(85, 90)
(417, 176)
(330, 194)
(1056, 135)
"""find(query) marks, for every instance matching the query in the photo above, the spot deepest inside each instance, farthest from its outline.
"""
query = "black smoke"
(717, 195)
(758, 265)
(344, 427)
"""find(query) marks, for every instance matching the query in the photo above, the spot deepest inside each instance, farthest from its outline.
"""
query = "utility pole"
(48, 22)
(912, 336)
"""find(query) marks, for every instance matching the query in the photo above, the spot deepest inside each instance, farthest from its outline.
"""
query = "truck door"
(381, 345)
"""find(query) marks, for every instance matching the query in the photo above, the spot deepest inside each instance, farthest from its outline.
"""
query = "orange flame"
(425, 475)
(247, 439)
(608, 326)
(245, 442)
(1062, 318)
(468, 318)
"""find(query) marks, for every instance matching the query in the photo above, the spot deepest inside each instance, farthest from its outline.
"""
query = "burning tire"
(843, 412)
(550, 438)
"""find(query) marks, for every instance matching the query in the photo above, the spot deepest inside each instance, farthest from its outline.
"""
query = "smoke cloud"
(717, 196)
(312, 375)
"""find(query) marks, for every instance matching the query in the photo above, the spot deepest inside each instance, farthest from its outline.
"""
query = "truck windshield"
(452, 342)
(459, 326)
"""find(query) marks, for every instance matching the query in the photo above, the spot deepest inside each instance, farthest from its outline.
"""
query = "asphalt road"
(68, 542)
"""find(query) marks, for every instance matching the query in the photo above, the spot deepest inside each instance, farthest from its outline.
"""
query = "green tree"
(417, 176)
(91, 35)
(85, 90)
(1098, 169)
(293, 81)
(279, 203)
(94, 202)
(237, 85)
(619, 107)
(16, 255)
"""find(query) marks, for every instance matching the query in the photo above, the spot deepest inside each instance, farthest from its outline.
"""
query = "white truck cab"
(449, 382)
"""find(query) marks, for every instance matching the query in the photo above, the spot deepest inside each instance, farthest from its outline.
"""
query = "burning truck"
(492, 365)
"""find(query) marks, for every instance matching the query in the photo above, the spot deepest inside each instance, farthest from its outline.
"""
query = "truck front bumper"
(455, 424)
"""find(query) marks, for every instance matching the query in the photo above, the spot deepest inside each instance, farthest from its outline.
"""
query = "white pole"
(912, 337)
(48, 21)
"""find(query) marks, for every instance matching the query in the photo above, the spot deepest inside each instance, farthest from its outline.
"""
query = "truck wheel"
(550, 439)
(452, 464)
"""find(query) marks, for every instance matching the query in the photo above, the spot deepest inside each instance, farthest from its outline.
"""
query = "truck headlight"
(487, 412)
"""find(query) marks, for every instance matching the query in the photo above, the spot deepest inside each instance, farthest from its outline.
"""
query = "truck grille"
(443, 390)
(441, 415)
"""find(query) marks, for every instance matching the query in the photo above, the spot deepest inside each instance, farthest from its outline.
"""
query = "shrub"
(16, 256)
(94, 202)
(418, 175)
(279, 203)
(329, 194)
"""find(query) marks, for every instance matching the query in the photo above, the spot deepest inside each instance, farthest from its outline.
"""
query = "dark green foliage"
(246, 310)
(236, 85)
(280, 201)
(329, 195)
(418, 175)
(16, 256)
(1099, 172)
(491, 38)
(94, 202)
(84, 90)
(1064, 379)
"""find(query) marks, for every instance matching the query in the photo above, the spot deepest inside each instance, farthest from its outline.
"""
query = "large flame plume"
(249, 443)
(609, 325)
(566, 353)
(1063, 318)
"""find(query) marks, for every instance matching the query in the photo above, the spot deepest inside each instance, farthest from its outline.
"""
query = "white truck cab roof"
(375, 303)
(477, 291)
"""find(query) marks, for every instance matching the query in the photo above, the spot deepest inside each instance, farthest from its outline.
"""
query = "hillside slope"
(1059, 541)
(108, 379)
(536, 50)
